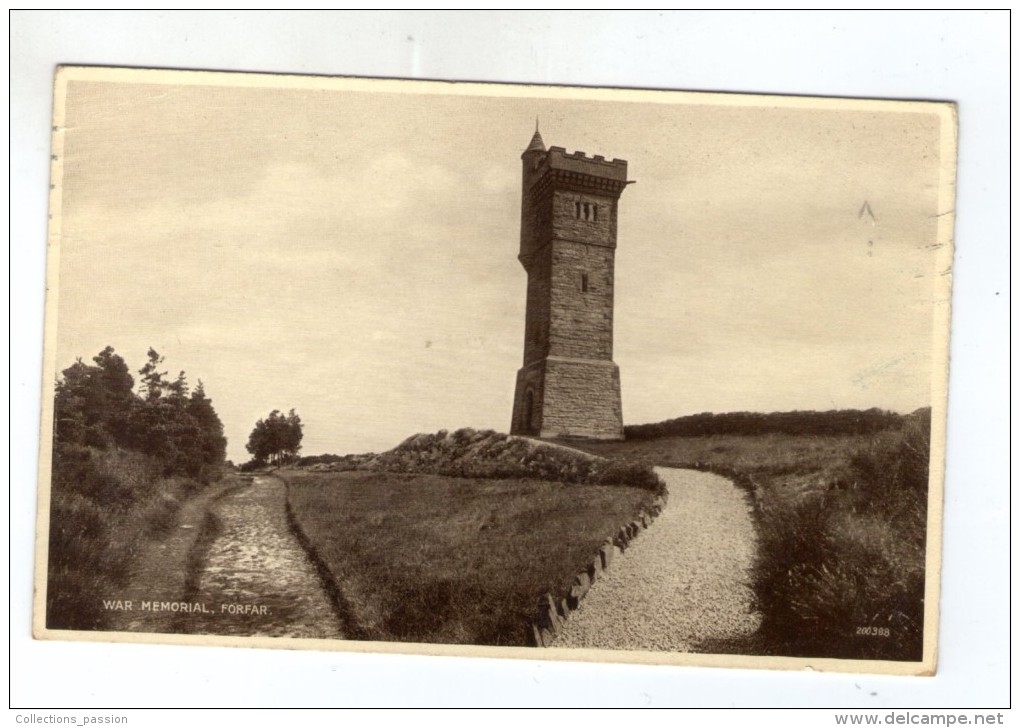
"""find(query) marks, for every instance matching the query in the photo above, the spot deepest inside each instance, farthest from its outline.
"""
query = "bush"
(102, 503)
(307, 460)
(162, 514)
(890, 474)
(853, 557)
(619, 472)
(834, 422)
(80, 571)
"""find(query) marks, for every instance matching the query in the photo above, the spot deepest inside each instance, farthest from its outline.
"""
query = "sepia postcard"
(495, 370)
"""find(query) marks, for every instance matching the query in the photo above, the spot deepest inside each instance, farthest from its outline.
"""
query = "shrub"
(162, 514)
(853, 557)
(890, 473)
(619, 472)
(834, 422)
(307, 460)
(102, 503)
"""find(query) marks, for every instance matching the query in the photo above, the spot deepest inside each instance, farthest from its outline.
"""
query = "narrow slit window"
(584, 283)
(595, 213)
(577, 210)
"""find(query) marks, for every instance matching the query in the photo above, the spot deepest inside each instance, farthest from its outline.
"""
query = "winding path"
(257, 565)
(683, 581)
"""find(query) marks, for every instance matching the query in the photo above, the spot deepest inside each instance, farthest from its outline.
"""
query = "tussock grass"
(431, 558)
(841, 524)
(104, 505)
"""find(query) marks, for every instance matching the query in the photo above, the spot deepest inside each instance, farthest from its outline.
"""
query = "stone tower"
(569, 385)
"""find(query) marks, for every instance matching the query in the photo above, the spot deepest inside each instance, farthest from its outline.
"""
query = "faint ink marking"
(866, 209)
(863, 377)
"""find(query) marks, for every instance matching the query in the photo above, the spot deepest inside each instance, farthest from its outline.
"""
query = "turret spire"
(537, 145)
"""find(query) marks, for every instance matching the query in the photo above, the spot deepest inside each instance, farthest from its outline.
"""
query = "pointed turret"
(537, 145)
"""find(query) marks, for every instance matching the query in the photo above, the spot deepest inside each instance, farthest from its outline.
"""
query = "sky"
(349, 250)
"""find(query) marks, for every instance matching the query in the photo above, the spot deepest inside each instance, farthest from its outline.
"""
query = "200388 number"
(873, 631)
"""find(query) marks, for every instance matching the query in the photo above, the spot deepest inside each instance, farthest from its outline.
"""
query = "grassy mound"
(469, 453)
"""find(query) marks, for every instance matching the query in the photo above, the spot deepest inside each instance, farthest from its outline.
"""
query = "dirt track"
(255, 577)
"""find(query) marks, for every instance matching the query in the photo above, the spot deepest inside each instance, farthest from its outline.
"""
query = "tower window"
(586, 211)
(584, 283)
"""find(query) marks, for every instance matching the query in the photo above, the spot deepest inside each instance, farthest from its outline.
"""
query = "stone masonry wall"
(536, 327)
(581, 399)
(581, 322)
(570, 223)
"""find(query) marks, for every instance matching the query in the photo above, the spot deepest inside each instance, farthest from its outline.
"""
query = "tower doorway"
(529, 407)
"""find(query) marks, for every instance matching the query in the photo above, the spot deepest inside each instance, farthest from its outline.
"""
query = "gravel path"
(256, 578)
(682, 581)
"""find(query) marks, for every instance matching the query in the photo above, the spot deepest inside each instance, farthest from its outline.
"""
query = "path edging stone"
(550, 616)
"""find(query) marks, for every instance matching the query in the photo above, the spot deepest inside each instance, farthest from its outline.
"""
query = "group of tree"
(125, 459)
(276, 439)
(809, 422)
(96, 406)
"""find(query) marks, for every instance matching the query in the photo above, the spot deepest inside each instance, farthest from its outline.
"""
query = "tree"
(118, 386)
(213, 445)
(153, 384)
(276, 439)
(95, 406)
(76, 407)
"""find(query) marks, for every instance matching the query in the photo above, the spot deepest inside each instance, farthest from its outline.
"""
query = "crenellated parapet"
(577, 171)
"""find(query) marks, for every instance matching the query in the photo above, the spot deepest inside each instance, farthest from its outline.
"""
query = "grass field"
(430, 558)
(806, 459)
(841, 524)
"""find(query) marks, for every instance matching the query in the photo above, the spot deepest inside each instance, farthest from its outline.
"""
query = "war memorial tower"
(568, 385)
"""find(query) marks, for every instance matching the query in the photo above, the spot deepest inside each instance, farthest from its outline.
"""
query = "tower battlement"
(555, 167)
(579, 161)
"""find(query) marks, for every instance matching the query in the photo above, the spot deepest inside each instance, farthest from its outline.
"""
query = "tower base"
(562, 397)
